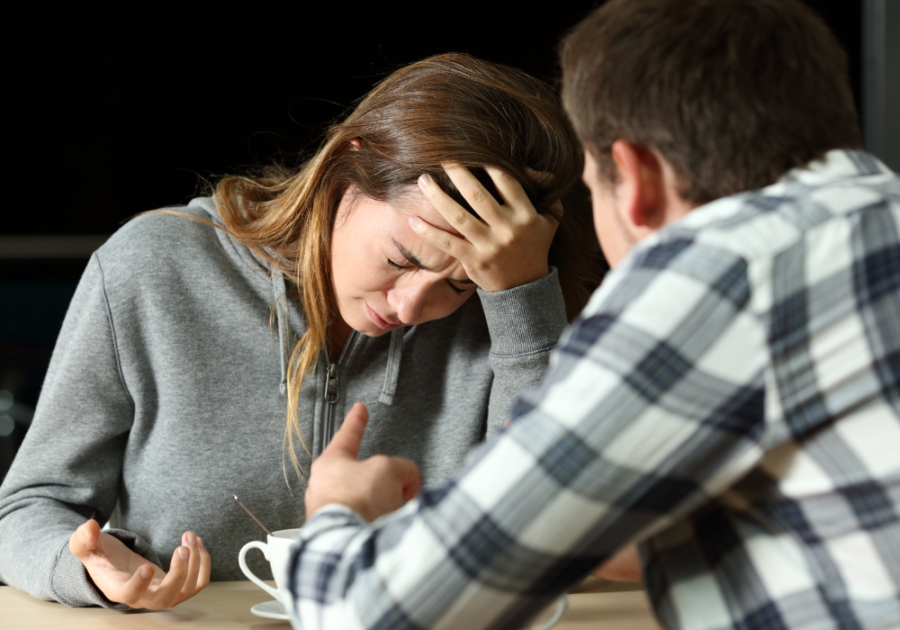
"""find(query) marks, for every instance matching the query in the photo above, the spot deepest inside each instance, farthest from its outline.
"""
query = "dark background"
(119, 111)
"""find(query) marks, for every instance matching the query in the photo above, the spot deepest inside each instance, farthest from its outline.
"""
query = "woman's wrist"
(525, 319)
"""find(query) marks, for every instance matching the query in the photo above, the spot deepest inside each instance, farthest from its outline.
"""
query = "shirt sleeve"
(70, 463)
(653, 404)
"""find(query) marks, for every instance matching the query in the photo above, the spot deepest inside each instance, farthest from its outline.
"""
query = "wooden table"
(226, 606)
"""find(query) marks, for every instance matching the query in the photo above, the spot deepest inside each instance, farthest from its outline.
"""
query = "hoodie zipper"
(331, 384)
(331, 396)
(331, 389)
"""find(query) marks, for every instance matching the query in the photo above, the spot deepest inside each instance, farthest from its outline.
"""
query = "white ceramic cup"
(277, 550)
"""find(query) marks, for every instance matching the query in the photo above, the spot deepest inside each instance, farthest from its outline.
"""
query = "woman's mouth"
(380, 321)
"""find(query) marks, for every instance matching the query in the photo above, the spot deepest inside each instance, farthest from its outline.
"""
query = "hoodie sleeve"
(69, 466)
(525, 324)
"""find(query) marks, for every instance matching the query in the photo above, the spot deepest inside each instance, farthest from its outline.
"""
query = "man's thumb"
(348, 438)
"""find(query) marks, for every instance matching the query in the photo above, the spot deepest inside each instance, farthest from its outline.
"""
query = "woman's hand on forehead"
(507, 247)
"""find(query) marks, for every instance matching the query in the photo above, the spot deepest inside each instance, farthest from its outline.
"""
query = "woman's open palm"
(127, 578)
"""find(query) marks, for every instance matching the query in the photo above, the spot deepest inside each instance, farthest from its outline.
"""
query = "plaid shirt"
(730, 398)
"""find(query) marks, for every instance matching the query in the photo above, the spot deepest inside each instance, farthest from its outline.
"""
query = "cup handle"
(562, 605)
(256, 544)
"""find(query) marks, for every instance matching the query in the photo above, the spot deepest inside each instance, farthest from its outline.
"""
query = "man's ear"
(639, 191)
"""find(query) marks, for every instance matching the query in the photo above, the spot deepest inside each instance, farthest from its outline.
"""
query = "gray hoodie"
(166, 394)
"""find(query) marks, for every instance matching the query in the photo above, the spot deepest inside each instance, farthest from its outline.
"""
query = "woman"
(297, 294)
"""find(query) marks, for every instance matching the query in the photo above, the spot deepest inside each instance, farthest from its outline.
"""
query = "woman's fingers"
(460, 219)
(189, 540)
(132, 592)
(188, 575)
(476, 194)
(541, 178)
(83, 541)
(546, 178)
(167, 593)
(514, 197)
(448, 243)
(205, 566)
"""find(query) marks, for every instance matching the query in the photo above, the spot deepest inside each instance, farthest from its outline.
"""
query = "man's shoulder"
(760, 224)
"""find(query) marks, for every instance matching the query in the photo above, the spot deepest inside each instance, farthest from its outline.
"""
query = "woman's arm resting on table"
(127, 578)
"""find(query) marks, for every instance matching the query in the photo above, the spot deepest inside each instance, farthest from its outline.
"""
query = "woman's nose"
(409, 299)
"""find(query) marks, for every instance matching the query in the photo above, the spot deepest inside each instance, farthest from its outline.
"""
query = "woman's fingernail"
(184, 552)
(414, 221)
(200, 542)
(190, 539)
(146, 573)
(424, 180)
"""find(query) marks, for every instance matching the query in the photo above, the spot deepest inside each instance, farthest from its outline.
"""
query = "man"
(729, 400)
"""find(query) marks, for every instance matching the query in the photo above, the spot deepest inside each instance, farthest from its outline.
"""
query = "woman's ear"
(355, 144)
(639, 190)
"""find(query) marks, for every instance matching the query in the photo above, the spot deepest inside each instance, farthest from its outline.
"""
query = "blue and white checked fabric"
(730, 399)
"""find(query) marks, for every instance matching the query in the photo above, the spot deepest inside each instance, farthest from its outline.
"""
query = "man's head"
(730, 93)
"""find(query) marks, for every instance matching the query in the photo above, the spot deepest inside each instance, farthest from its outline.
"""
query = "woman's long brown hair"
(450, 107)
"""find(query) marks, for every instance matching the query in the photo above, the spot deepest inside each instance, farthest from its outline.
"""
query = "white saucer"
(270, 610)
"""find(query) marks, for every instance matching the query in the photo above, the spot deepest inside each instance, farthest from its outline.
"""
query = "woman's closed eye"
(396, 265)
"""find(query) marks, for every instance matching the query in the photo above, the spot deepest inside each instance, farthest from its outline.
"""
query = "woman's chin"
(373, 331)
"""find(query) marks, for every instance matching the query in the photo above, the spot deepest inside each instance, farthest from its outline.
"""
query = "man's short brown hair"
(732, 93)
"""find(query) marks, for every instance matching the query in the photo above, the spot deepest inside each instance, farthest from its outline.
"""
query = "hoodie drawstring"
(282, 317)
(393, 367)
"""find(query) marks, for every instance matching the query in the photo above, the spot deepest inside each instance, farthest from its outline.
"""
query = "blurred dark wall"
(120, 111)
(126, 109)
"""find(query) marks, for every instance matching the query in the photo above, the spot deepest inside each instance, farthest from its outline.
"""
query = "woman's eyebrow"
(409, 256)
